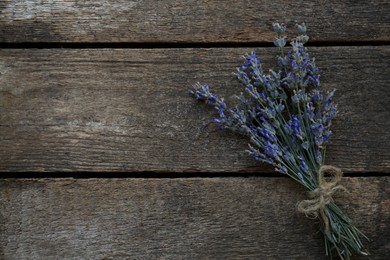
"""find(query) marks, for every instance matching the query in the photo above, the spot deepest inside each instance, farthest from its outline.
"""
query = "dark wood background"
(105, 155)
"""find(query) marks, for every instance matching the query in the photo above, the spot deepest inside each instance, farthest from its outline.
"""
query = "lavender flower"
(287, 118)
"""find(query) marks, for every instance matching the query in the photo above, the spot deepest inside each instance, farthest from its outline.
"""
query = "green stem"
(343, 237)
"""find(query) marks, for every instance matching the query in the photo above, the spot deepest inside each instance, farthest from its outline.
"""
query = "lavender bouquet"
(287, 118)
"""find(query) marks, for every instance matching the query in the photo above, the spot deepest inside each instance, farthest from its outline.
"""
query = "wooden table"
(105, 155)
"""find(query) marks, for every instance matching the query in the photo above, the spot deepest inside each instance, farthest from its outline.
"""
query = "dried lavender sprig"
(287, 118)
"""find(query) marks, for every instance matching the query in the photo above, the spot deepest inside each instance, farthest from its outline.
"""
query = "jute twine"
(322, 195)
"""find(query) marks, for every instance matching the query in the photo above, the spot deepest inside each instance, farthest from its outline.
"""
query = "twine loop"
(322, 195)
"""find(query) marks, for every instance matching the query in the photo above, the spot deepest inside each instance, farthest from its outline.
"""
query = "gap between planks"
(164, 175)
(174, 45)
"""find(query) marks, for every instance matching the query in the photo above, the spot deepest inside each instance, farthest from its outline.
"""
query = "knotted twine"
(322, 195)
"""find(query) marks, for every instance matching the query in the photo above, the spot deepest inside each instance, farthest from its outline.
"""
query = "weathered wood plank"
(129, 110)
(218, 218)
(189, 21)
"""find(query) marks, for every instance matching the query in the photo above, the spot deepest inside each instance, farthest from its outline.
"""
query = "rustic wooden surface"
(201, 218)
(130, 110)
(126, 112)
(189, 21)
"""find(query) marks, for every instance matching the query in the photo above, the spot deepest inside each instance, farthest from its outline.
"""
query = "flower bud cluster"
(285, 114)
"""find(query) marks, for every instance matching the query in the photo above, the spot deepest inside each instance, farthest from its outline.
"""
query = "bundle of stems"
(287, 117)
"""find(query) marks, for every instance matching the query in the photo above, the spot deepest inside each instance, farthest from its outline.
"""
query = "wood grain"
(130, 110)
(199, 218)
(199, 21)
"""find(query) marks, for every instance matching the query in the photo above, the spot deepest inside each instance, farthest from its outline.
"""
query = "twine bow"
(322, 195)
